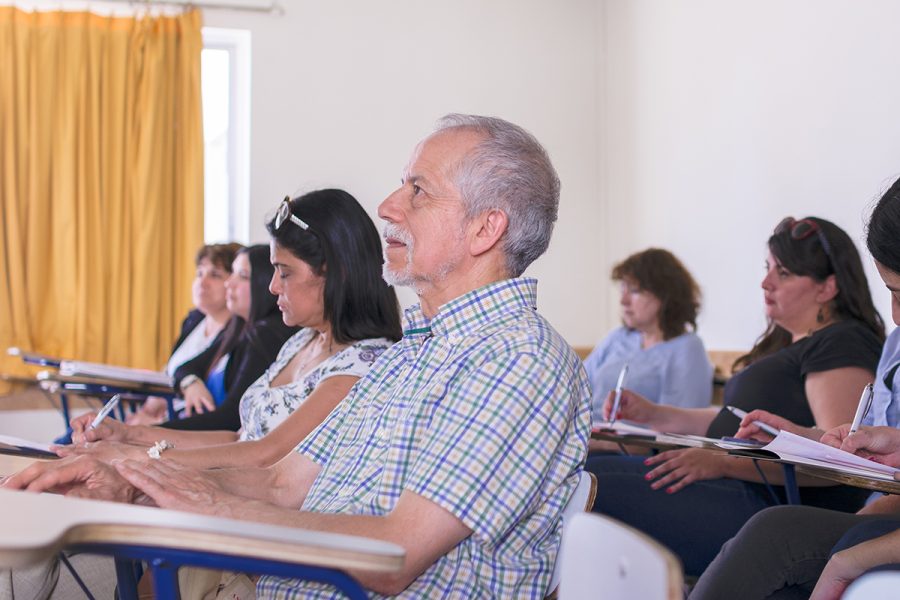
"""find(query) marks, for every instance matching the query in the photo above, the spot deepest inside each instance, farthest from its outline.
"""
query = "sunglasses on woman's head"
(284, 214)
(802, 229)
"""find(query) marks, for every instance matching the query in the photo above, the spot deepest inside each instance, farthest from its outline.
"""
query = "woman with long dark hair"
(327, 279)
(781, 551)
(821, 347)
(213, 382)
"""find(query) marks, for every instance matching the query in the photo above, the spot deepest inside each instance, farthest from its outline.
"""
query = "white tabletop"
(35, 526)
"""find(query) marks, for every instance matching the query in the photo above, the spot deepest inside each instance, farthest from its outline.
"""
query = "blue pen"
(104, 412)
(740, 414)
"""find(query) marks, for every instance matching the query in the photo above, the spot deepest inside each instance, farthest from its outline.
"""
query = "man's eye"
(416, 189)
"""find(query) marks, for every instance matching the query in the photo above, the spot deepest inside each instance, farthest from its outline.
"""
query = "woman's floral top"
(263, 407)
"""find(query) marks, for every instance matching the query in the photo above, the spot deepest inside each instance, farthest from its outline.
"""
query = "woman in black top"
(820, 349)
(250, 345)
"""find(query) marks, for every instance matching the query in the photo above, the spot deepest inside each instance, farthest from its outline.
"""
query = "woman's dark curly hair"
(658, 271)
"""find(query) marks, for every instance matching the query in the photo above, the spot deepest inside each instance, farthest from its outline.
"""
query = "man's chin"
(395, 277)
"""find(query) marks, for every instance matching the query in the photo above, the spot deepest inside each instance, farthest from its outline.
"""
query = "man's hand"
(174, 486)
(680, 468)
(80, 476)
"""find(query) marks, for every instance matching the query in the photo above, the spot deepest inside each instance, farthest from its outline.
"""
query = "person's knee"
(865, 532)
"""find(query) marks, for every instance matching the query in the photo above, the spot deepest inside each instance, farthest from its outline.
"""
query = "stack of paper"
(802, 451)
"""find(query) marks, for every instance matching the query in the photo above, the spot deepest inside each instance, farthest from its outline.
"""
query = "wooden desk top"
(668, 442)
(869, 483)
(36, 526)
(10, 464)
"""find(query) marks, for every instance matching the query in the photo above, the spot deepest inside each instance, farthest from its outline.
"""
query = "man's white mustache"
(394, 231)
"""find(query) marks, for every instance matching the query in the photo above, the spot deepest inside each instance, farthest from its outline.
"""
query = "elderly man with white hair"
(465, 440)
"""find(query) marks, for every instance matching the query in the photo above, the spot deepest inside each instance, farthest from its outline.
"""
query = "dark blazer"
(250, 356)
(193, 318)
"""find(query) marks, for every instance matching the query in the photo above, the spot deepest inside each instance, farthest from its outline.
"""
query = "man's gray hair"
(509, 171)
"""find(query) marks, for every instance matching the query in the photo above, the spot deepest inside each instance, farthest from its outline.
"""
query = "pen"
(107, 408)
(740, 414)
(865, 400)
(617, 399)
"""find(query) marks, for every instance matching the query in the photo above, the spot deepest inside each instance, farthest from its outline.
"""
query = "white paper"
(20, 443)
(800, 450)
(74, 368)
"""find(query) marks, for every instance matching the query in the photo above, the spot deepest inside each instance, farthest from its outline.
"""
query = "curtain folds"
(101, 183)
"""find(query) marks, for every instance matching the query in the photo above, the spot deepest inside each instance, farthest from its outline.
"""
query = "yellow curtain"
(101, 183)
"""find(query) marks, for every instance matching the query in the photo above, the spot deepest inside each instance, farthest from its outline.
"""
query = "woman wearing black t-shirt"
(821, 347)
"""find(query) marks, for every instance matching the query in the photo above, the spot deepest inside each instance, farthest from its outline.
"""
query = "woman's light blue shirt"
(676, 372)
(885, 408)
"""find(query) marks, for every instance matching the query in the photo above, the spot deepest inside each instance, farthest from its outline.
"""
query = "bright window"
(225, 64)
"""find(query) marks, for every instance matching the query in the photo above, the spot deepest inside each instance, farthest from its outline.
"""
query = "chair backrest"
(880, 585)
(581, 501)
(602, 557)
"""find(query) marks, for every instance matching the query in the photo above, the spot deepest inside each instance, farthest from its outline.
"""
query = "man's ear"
(488, 227)
(828, 290)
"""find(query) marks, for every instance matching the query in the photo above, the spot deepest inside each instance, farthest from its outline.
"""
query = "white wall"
(343, 90)
(691, 124)
(725, 116)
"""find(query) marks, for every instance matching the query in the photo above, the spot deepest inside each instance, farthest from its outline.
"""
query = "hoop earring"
(820, 316)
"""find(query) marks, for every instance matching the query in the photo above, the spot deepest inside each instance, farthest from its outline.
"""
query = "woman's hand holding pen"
(880, 444)
(108, 429)
(750, 430)
(676, 469)
(632, 407)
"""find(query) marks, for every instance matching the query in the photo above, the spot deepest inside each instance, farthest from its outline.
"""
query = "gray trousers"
(52, 580)
(778, 554)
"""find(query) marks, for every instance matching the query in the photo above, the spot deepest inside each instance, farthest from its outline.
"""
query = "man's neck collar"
(437, 295)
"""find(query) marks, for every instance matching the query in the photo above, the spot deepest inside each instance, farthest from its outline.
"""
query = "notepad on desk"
(20, 447)
(802, 451)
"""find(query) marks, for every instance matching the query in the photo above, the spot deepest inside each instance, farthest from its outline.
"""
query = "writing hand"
(880, 444)
(108, 429)
(750, 430)
(632, 407)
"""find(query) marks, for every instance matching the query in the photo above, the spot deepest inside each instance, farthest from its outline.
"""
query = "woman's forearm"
(145, 435)
(251, 453)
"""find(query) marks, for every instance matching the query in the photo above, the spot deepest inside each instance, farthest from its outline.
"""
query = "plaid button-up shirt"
(483, 411)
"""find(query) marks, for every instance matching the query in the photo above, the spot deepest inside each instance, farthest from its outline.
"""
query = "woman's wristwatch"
(187, 381)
